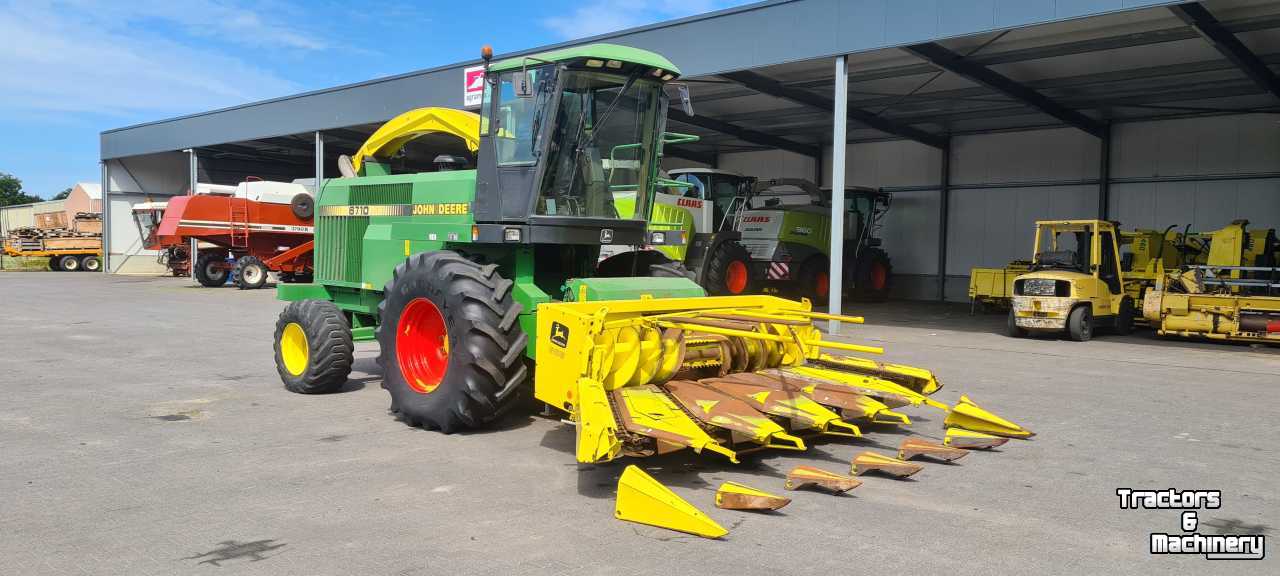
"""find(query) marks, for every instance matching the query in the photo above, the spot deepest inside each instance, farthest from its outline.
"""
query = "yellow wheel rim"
(293, 349)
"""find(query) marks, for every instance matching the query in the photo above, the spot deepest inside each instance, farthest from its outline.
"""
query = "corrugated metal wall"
(1203, 171)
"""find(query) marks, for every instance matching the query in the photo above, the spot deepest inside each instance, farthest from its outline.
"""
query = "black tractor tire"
(1124, 317)
(729, 271)
(303, 206)
(484, 369)
(250, 273)
(207, 270)
(811, 280)
(1080, 323)
(330, 349)
(871, 276)
(69, 263)
(641, 263)
(91, 263)
(1012, 328)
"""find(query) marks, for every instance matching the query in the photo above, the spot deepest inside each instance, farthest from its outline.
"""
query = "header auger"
(479, 275)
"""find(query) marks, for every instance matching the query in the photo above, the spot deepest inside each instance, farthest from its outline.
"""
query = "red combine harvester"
(255, 227)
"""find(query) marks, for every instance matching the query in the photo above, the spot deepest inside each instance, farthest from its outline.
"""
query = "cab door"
(1108, 273)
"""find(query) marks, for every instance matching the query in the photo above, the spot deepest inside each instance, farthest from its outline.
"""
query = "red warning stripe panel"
(778, 271)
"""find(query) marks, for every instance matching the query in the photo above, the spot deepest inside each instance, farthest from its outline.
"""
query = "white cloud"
(100, 59)
(601, 16)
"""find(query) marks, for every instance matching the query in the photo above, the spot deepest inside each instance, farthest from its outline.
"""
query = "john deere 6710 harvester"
(472, 275)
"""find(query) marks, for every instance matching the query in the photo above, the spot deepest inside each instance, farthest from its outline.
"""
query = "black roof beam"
(744, 134)
(771, 87)
(1225, 42)
(957, 64)
(708, 158)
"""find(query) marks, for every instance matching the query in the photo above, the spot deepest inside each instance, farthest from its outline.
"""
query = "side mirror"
(686, 104)
(524, 85)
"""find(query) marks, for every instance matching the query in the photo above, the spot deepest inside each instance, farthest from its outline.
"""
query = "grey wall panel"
(894, 163)
(910, 233)
(989, 227)
(1239, 144)
(769, 164)
(1206, 205)
(757, 35)
(1064, 154)
(913, 287)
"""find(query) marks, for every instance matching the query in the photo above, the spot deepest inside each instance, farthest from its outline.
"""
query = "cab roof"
(592, 51)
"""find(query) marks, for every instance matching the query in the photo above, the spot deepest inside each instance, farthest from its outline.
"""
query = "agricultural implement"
(478, 281)
(693, 208)
(255, 227)
(73, 248)
(786, 226)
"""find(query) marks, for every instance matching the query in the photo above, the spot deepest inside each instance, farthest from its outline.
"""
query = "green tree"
(62, 195)
(11, 191)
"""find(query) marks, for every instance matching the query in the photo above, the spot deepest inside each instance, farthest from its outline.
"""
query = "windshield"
(1063, 249)
(602, 145)
(147, 221)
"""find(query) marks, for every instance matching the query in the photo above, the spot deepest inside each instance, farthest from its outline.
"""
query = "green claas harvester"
(472, 268)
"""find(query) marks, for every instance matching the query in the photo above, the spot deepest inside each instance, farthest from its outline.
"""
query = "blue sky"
(71, 69)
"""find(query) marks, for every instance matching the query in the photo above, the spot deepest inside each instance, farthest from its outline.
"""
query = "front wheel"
(313, 345)
(1012, 329)
(250, 273)
(729, 271)
(871, 276)
(813, 281)
(1080, 324)
(452, 348)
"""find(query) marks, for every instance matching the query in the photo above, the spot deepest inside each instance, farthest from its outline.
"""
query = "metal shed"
(980, 115)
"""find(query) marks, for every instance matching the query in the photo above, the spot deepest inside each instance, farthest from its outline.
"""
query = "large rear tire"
(209, 271)
(872, 273)
(1012, 328)
(250, 273)
(314, 349)
(452, 348)
(1124, 317)
(729, 271)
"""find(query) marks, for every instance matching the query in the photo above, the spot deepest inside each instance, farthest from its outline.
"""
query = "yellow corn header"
(721, 374)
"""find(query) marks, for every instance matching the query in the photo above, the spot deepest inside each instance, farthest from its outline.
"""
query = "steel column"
(193, 177)
(105, 165)
(839, 147)
(944, 211)
(1104, 175)
(319, 183)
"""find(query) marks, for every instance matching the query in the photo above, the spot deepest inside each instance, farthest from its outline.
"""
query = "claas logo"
(756, 219)
(559, 334)
(689, 202)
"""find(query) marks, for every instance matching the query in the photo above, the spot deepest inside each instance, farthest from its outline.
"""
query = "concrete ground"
(144, 431)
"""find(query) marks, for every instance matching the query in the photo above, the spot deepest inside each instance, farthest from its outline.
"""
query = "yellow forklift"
(1075, 283)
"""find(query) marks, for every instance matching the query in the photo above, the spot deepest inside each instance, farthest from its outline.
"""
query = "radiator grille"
(339, 239)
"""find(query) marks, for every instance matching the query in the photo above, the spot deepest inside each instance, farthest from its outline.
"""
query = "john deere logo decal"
(606, 236)
(559, 334)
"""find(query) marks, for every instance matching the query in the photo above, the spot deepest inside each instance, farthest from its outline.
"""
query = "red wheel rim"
(824, 284)
(735, 278)
(878, 276)
(422, 345)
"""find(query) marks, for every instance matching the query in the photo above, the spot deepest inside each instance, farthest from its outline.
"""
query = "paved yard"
(144, 431)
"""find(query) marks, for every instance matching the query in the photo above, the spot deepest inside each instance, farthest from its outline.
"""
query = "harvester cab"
(1076, 282)
(469, 279)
